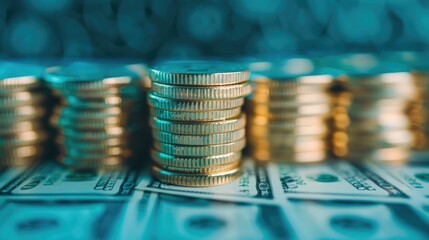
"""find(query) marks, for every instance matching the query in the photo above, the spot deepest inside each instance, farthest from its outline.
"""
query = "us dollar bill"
(253, 186)
(40, 219)
(350, 219)
(166, 216)
(51, 180)
(413, 176)
(333, 179)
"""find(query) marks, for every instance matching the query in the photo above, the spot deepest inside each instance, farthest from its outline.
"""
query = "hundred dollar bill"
(51, 180)
(349, 219)
(177, 217)
(413, 177)
(41, 219)
(253, 186)
(334, 179)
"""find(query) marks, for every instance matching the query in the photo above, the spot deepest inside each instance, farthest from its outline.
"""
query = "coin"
(195, 162)
(311, 130)
(86, 76)
(290, 102)
(202, 170)
(206, 73)
(196, 116)
(200, 128)
(195, 140)
(197, 151)
(200, 92)
(392, 154)
(192, 105)
(288, 156)
(288, 113)
(19, 77)
(18, 99)
(196, 180)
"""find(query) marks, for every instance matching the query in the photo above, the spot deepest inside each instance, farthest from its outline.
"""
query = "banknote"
(50, 179)
(253, 186)
(413, 177)
(333, 179)
(349, 219)
(178, 217)
(39, 219)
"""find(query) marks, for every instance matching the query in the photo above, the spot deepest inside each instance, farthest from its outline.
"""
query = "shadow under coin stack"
(288, 110)
(197, 121)
(23, 122)
(379, 125)
(99, 115)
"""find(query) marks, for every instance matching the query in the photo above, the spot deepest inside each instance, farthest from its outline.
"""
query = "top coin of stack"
(197, 122)
(381, 93)
(98, 118)
(23, 126)
(288, 110)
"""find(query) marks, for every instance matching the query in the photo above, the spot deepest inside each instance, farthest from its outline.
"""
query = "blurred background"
(150, 29)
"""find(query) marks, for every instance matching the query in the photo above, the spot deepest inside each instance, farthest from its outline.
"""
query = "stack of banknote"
(197, 121)
(23, 108)
(99, 116)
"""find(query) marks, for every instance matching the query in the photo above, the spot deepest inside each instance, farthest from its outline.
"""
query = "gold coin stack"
(197, 121)
(23, 123)
(288, 111)
(379, 124)
(339, 119)
(417, 110)
(97, 119)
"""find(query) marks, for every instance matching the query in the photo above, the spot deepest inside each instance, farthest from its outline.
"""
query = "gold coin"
(300, 144)
(288, 113)
(107, 163)
(196, 180)
(195, 162)
(196, 140)
(23, 138)
(265, 132)
(289, 157)
(203, 128)
(290, 102)
(21, 152)
(197, 151)
(21, 126)
(202, 170)
(22, 113)
(255, 120)
(218, 115)
(192, 105)
(193, 73)
(202, 93)
(392, 154)
(19, 99)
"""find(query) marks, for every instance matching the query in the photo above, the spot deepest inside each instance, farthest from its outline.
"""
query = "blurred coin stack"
(380, 127)
(23, 122)
(197, 121)
(99, 115)
(418, 107)
(339, 120)
(288, 111)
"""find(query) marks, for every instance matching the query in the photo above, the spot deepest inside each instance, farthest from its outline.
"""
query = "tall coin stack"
(288, 110)
(97, 120)
(379, 125)
(23, 123)
(197, 121)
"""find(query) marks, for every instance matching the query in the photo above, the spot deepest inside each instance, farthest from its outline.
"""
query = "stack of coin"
(379, 124)
(339, 120)
(197, 121)
(288, 111)
(23, 123)
(418, 107)
(99, 114)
